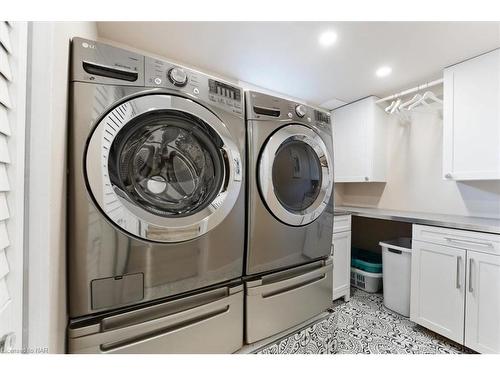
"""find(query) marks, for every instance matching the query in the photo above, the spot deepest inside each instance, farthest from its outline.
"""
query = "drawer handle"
(269, 290)
(485, 244)
(459, 258)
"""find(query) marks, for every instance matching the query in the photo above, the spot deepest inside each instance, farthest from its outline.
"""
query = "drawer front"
(478, 241)
(341, 223)
(219, 322)
(275, 307)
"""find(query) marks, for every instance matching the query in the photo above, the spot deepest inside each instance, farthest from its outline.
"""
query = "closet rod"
(412, 90)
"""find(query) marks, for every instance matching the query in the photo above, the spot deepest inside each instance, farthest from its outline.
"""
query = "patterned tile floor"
(364, 325)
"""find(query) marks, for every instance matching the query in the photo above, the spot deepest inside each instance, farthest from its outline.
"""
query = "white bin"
(396, 265)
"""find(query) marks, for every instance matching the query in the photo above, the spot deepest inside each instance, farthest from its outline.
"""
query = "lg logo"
(86, 45)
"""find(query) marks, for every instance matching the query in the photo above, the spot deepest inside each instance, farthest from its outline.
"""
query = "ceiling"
(286, 56)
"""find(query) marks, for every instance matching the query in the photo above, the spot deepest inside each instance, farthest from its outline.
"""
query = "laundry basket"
(366, 270)
(396, 260)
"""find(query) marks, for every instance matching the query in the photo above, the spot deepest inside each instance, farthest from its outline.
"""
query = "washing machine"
(156, 209)
(290, 214)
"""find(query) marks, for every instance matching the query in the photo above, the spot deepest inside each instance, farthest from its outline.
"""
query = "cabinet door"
(437, 289)
(341, 264)
(471, 149)
(350, 142)
(482, 313)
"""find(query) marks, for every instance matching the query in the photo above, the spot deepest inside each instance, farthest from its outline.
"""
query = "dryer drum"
(168, 162)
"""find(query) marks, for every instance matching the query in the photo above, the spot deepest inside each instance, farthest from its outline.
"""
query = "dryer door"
(295, 175)
(163, 168)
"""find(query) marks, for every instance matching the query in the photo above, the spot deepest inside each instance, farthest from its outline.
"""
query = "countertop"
(479, 224)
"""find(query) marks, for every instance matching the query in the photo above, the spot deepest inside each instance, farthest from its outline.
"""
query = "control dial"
(177, 76)
(300, 110)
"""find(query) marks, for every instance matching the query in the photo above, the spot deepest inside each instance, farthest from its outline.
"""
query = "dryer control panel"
(262, 106)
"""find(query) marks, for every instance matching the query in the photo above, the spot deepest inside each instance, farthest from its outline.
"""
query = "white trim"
(13, 312)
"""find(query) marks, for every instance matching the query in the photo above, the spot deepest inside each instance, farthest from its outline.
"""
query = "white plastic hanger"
(396, 106)
(428, 95)
(411, 101)
(389, 108)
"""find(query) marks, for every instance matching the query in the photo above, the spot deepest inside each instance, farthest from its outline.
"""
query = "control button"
(308, 119)
(177, 76)
(196, 91)
(300, 110)
(290, 114)
(158, 81)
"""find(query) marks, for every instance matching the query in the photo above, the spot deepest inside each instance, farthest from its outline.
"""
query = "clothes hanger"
(411, 101)
(428, 95)
(396, 106)
(389, 108)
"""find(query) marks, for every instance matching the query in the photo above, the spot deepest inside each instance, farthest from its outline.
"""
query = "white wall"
(414, 179)
(48, 112)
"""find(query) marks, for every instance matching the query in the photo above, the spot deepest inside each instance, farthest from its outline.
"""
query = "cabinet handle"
(470, 276)
(460, 241)
(448, 175)
(459, 258)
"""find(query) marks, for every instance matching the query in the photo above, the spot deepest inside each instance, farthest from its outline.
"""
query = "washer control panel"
(160, 73)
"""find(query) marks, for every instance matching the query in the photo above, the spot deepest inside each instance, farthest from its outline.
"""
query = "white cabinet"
(455, 285)
(342, 257)
(482, 311)
(359, 138)
(471, 137)
(437, 289)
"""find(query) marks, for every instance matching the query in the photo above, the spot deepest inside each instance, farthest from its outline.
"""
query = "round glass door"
(295, 178)
(168, 163)
(163, 168)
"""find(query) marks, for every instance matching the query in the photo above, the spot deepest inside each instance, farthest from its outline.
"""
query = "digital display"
(224, 90)
(320, 116)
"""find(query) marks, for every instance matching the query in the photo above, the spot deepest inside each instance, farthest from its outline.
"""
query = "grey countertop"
(479, 224)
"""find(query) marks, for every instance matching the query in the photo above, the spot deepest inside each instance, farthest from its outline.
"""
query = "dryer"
(156, 210)
(290, 214)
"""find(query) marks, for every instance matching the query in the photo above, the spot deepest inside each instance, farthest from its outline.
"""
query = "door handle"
(459, 258)
(470, 276)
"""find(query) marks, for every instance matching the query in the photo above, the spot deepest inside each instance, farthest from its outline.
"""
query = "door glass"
(296, 175)
(169, 163)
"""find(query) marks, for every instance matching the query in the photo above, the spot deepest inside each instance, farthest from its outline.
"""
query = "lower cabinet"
(482, 311)
(455, 285)
(342, 265)
(342, 257)
(437, 289)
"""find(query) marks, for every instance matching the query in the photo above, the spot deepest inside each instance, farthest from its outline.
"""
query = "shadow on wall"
(482, 198)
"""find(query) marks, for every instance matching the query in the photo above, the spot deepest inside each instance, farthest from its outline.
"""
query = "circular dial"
(300, 110)
(177, 76)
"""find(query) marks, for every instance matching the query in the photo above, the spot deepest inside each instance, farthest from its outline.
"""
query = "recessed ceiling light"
(383, 71)
(327, 38)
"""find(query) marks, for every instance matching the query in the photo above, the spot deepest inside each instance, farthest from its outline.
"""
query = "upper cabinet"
(471, 148)
(359, 139)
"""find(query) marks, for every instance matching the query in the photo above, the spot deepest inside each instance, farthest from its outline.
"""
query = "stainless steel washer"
(156, 206)
(290, 214)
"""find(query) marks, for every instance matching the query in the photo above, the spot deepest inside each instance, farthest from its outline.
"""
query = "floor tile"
(364, 325)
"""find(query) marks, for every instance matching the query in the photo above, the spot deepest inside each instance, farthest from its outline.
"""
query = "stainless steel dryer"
(156, 205)
(290, 214)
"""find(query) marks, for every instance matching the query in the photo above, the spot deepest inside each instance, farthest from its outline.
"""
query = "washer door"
(295, 175)
(163, 168)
